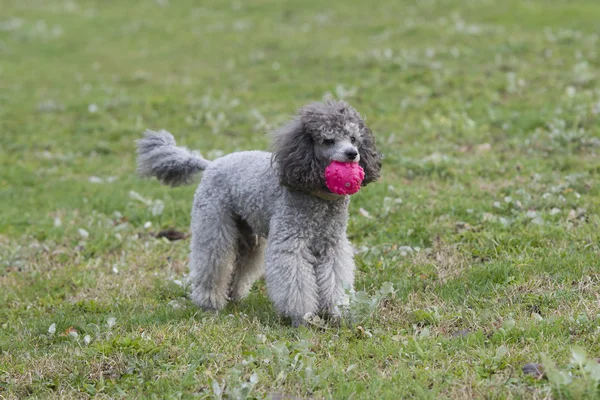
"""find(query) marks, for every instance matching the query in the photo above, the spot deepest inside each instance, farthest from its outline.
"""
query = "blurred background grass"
(81, 80)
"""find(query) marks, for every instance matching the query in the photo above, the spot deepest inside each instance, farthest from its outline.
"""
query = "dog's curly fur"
(256, 212)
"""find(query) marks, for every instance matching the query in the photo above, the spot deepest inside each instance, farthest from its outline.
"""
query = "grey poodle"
(255, 209)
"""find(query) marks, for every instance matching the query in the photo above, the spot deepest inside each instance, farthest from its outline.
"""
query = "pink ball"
(344, 178)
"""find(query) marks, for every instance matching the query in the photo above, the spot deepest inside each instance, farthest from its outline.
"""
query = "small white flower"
(555, 211)
(364, 213)
(74, 334)
(147, 225)
(405, 250)
(531, 214)
(136, 196)
(508, 199)
(57, 222)
(489, 217)
(115, 270)
(175, 304)
(497, 204)
(92, 108)
(52, 329)
(537, 221)
(111, 322)
(87, 339)
(95, 179)
(157, 207)
(83, 233)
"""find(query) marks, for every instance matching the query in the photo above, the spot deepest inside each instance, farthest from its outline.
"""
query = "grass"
(485, 220)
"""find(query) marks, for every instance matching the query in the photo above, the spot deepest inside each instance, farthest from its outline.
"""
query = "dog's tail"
(159, 156)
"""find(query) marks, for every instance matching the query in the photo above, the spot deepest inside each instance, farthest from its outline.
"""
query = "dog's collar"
(326, 195)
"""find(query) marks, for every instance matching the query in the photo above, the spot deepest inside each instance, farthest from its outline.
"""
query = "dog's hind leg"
(248, 267)
(214, 248)
(249, 262)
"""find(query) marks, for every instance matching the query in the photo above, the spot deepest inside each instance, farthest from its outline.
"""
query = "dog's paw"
(302, 321)
(297, 322)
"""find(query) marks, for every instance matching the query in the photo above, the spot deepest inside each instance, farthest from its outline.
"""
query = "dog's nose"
(351, 154)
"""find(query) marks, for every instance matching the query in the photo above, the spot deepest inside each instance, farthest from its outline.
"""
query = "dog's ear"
(294, 157)
(370, 158)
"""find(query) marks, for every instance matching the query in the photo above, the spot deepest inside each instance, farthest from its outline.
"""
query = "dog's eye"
(328, 142)
(353, 139)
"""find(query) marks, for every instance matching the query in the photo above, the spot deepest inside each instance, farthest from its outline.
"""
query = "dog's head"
(323, 132)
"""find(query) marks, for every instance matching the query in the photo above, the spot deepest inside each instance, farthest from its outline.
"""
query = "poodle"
(258, 213)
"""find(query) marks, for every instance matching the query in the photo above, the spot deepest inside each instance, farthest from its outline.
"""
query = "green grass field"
(485, 220)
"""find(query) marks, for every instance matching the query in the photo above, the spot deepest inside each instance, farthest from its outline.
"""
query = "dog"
(257, 213)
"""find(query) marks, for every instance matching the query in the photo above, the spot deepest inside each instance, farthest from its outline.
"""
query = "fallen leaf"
(462, 226)
(171, 234)
(68, 331)
(361, 332)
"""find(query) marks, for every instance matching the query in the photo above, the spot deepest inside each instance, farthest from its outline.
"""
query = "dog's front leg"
(335, 276)
(290, 275)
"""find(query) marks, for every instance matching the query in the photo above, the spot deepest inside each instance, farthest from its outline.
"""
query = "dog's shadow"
(256, 307)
